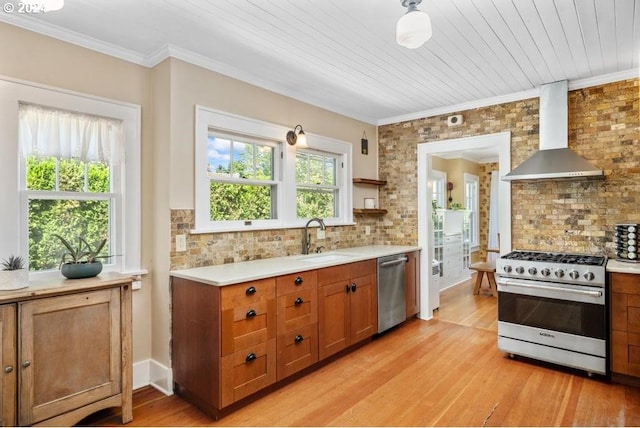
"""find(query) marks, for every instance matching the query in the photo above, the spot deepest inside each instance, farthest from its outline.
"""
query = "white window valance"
(47, 132)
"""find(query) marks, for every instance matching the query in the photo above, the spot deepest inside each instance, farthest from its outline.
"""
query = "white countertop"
(234, 273)
(623, 267)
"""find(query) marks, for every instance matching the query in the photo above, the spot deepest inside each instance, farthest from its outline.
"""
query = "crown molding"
(516, 96)
(72, 37)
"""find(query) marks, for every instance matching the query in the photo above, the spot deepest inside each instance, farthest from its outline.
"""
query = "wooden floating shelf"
(369, 181)
(369, 211)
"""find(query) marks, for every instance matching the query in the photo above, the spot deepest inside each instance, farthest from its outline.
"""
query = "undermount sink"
(322, 258)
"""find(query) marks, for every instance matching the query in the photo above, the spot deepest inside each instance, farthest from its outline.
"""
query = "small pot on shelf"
(81, 270)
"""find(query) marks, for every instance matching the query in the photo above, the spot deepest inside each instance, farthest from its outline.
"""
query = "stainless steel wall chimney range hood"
(554, 160)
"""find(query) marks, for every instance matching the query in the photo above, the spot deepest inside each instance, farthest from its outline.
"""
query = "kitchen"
(603, 127)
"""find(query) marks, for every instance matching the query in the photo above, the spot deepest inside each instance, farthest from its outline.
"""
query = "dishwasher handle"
(394, 262)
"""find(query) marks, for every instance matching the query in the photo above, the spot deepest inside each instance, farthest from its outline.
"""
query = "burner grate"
(536, 256)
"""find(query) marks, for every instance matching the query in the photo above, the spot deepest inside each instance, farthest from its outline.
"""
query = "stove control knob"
(507, 268)
(574, 274)
(589, 276)
(545, 272)
(559, 273)
(533, 271)
(520, 270)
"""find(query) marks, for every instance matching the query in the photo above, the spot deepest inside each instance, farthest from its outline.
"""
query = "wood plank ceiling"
(341, 54)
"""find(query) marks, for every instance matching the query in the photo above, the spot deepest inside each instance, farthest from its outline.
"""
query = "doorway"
(500, 141)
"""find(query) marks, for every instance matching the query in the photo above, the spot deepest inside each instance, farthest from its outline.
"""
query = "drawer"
(247, 293)
(625, 283)
(455, 262)
(330, 275)
(365, 268)
(453, 255)
(297, 310)
(286, 284)
(297, 350)
(247, 371)
(452, 239)
(248, 325)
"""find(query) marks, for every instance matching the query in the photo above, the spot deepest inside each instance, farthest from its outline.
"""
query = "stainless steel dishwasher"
(391, 291)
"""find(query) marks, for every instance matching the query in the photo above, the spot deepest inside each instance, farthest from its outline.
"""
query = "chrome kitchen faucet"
(306, 239)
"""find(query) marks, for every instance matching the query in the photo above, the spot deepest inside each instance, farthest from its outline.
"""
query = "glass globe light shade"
(413, 29)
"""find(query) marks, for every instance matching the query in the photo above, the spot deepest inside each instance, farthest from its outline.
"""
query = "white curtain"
(46, 132)
(494, 218)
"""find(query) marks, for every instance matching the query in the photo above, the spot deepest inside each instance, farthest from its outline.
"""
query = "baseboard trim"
(150, 372)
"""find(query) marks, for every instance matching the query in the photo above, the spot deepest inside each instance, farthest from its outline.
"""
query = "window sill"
(255, 228)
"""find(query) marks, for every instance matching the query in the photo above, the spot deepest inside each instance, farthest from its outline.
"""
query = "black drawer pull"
(250, 357)
(298, 301)
(353, 287)
(250, 291)
(347, 288)
(298, 339)
(251, 313)
(298, 280)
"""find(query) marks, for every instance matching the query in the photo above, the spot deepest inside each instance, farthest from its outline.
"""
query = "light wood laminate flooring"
(443, 372)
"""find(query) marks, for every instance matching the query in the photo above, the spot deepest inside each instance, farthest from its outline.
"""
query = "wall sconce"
(450, 188)
(299, 137)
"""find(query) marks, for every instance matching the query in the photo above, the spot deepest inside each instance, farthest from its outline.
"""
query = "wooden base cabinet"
(9, 359)
(223, 341)
(625, 324)
(347, 306)
(412, 283)
(74, 357)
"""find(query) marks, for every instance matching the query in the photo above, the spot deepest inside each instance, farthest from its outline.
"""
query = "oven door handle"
(546, 287)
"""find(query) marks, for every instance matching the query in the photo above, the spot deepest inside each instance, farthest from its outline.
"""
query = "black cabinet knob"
(353, 287)
(250, 291)
(250, 357)
(298, 339)
(251, 313)
(298, 280)
(347, 288)
(298, 301)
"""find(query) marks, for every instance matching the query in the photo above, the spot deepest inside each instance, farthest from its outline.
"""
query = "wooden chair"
(487, 267)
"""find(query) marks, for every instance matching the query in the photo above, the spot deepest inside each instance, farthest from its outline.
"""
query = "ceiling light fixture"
(414, 27)
(47, 5)
(299, 138)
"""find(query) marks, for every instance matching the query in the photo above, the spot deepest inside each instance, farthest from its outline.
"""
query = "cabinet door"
(333, 318)
(247, 371)
(297, 350)
(412, 286)
(70, 353)
(8, 357)
(363, 308)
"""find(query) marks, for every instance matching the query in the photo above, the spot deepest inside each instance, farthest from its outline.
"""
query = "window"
(471, 203)
(70, 198)
(248, 178)
(242, 174)
(439, 179)
(317, 191)
(64, 181)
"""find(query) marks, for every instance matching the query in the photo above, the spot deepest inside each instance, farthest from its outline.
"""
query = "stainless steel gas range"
(552, 307)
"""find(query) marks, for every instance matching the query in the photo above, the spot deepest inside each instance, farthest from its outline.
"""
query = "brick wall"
(208, 249)
(604, 123)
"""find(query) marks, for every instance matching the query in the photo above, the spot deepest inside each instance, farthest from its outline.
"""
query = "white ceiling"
(341, 54)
